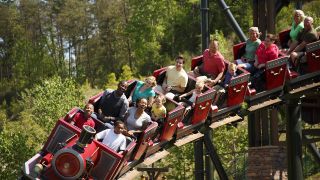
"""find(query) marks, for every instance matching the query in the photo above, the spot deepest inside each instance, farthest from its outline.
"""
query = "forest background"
(55, 54)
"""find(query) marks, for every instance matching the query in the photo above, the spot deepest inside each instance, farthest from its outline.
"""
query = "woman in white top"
(137, 119)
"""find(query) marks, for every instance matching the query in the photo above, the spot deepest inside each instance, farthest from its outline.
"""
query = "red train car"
(67, 154)
(201, 109)
(275, 73)
(309, 67)
(236, 90)
(70, 153)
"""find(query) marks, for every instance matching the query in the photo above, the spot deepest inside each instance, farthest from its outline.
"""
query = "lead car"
(70, 153)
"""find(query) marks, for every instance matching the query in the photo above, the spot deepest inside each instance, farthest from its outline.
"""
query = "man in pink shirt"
(266, 51)
(213, 64)
(84, 118)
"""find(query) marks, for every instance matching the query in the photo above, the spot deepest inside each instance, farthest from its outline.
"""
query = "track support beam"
(198, 160)
(214, 156)
(294, 139)
(205, 24)
(232, 20)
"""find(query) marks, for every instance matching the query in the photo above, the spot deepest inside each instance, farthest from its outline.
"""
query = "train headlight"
(38, 168)
(68, 164)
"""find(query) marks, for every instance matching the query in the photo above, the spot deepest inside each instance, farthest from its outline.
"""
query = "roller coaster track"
(268, 101)
(144, 152)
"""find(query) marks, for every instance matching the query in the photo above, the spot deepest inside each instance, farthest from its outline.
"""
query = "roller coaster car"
(201, 108)
(313, 57)
(310, 70)
(169, 127)
(144, 139)
(173, 117)
(67, 154)
(275, 76)
(236, 89)
(284, 37)
(275, 73)
(311, 74)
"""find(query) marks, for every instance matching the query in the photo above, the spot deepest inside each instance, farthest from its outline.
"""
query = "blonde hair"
(300, 13)
(232, 66)
(199, 84)
(161, 97)
(254, 29)
(152, 80)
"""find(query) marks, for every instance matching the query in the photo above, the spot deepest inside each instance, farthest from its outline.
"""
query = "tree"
(126, 73)
(42, 106)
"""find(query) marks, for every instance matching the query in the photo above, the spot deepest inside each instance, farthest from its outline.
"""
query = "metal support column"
(232, 21)
(294, 139)
(208, 163)
(265, 135)
(198, 160)
(271, 16)
(251, 130)
(299, 4)
(198, 145)
(204, 24)
(214, 157)
(274, 129)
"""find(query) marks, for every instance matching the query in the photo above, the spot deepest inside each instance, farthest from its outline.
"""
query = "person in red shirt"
(213, 64)
(266, 51)
(84, 118)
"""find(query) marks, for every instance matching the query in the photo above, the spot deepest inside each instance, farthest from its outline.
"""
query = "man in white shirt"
(176, 79)
(113, 138)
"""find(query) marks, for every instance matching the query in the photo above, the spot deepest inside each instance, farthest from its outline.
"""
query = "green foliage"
(233, 151)
(42, 106)
(14, 150)
(51, 100)
(284, 18)
(180, 161)
(111, 81)
(145, 30)
(224, 44)
(242, 12)
(310, 165)
(95, 42)
(311, 9)
(126, 73)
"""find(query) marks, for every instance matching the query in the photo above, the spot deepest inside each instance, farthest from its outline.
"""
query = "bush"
(41, 106)
(126, 73)
(51, 100)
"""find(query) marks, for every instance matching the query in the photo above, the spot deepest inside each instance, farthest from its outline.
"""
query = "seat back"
(130, 88)
(236, 49)
(313, 56)
(202, 106)
(95, 100)
(174, 116)
(196, 61)
(237, 89)
(284, 38)
(143, 141)
(276, 72)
